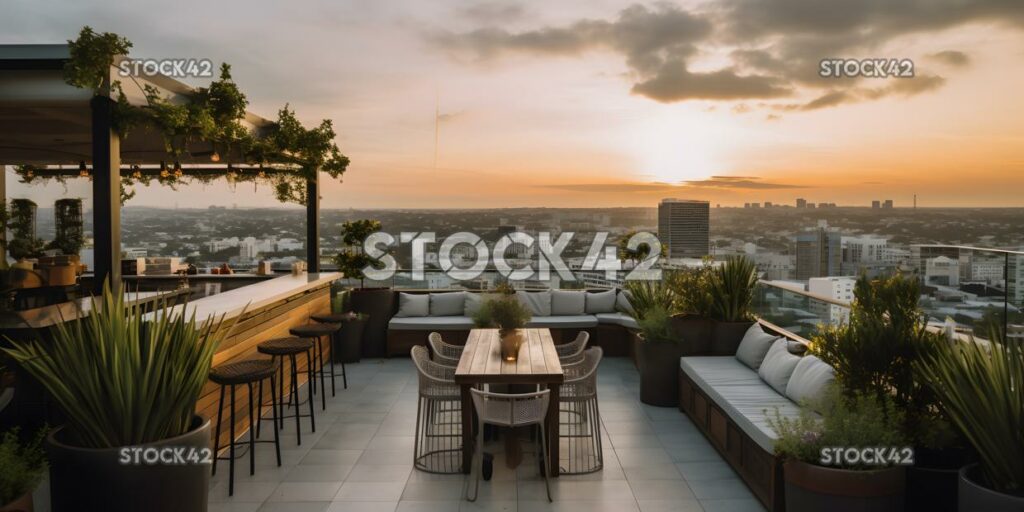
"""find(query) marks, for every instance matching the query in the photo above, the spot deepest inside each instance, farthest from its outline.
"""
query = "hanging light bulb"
(136, 172)
(231, 173)
(262, 173)
(163, 170)
(215, 156)
(83, 171)
(29, 173)
(177, 170)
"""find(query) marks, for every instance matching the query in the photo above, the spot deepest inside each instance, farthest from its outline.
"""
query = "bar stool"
(291, 347)
(339, 319)
(248, 373)
(318, 332)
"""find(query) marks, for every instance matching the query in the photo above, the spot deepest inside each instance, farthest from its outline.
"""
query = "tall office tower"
(887, 203)
(876, 204)
(683, 227)
(819, 253)
(801, 203)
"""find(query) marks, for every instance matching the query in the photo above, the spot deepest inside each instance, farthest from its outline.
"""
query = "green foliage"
(352, 259)
(504, 312)
(21, 465)
(635, 255)
(121, 375)
(691, 287)
(980, 387)
(656, 325)
(22, 224)
(69, 237)
(874, 353)
(646, 296)
(92, 54)
(731, 288)
(847, 421)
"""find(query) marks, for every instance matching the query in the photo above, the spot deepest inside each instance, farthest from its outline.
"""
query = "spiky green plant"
(731, 287)
(980, 387)
(645, 296)
(122, 375)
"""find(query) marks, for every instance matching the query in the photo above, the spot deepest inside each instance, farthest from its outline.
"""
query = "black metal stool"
(291, 347)
(318, 332)
(248, 373)
(339, 319)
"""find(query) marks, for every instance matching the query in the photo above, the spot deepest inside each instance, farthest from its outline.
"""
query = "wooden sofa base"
(761, 470)
(613, 339)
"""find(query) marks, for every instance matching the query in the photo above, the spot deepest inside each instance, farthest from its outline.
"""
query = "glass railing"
(795, 310)
(435, 279)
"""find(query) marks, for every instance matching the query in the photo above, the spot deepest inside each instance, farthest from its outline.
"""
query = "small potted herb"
(377, 304)
(508, 315)
(21, 469)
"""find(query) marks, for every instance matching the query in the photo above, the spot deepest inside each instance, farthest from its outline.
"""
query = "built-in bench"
(731, 398)
(565, 312)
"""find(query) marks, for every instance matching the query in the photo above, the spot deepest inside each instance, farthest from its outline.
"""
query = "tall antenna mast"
(437, 124)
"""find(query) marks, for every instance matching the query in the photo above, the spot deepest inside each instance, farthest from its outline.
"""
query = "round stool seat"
(244, 372)
(334, 318)
(284, 346)
(314, 330)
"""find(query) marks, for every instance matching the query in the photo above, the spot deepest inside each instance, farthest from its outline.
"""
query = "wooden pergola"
(54, 127)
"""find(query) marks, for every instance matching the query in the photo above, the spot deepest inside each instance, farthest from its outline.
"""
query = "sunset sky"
(604, 102)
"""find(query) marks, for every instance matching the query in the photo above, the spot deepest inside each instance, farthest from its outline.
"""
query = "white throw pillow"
(539, 303)
(568, 303)
(600, 302)
(754, 346)
(778, 366)
(447, 304)
(413, 305)
(810, 379)
(622, 303)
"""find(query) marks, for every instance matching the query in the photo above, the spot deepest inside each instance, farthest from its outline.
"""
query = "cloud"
(740, 182)
(487, 12)
(613, 187)
(773, 48)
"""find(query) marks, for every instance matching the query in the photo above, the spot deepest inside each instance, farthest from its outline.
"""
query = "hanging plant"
(92, 55)
(69, 237)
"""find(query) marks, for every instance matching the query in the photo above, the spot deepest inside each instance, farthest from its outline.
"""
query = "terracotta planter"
(379, 305)
(22, 504)
(349, 347)
(97, 478)
(510, 344)
(973, 495)
(60, 275)
(695, 333)
(811, 488)
(659, 372)
(726, 336)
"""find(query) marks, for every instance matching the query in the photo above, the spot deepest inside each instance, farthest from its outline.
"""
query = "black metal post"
(313, 224)
(1006, 297)
(106, 193)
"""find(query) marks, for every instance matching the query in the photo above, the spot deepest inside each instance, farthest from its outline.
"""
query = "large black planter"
(349, 347)
(811, 488)
(378, 304)
(695, 333)
(658, 363)
(726, 336)
(975, 496)
(102, 479)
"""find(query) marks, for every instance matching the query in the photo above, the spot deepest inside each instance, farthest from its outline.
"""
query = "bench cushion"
(539, 303)
(617, 319)
(568, 302)
(754, 346)
(428, 323)
(564, 321)
(448, 304)
(778, 366)
(413, 305)
(809, 381)
(622, 302)
(600, 302)
(741, 395)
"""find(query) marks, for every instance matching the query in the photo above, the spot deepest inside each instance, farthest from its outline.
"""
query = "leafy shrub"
(21, 465)
(656, 326)
(691, 289)
(504, 312)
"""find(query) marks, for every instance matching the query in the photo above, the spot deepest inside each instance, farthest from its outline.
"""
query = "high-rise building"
(835, 288)
(819, 253)
(683, 227)
(876, 204)
(887, 203)
(801, 202)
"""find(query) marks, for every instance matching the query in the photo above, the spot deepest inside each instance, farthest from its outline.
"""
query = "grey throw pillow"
(413, 305)
(810, 379)
(539, 303)
(622, 303)
(754, 346)
(568, 303)
(600, 302)
(447, 304)
(778, 366)
(473, 302)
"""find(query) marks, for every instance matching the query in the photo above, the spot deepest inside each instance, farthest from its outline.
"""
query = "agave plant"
(645, 296)
(980, 386)
(122, 375)
(731, 287)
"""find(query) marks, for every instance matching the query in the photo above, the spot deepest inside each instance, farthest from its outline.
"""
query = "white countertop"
(255, 296)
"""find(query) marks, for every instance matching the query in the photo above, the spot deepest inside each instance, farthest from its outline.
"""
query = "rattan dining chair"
(444, 353)
(580, 420)
(572, 352)
(437, 447)
(509, 410)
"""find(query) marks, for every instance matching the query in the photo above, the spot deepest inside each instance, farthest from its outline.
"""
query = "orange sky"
(564, 106)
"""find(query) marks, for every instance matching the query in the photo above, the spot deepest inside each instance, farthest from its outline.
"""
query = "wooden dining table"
(537, 363)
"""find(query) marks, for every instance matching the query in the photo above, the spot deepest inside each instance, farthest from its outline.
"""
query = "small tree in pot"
(731, 290)
(508, 315)
(658, 356)
(376, 303)
(125, 377)
(691, 305)
(21, 469)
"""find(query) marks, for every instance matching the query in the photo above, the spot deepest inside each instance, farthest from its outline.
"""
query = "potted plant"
(817, 477)
(377, 304)
(23, 244)
(63, 270)
(658, 356)
(691, 305)
(350, 337)
(508, 315)
(127, 382)
(731, 289)
(978, 384)
(21, 469)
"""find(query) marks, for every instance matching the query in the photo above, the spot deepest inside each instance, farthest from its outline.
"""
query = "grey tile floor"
(360, 459)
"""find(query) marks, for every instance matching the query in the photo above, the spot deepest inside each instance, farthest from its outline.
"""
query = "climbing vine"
(291, 152)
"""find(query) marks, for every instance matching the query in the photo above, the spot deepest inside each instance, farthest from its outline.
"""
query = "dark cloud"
(951, 58)
(675, 83)
(742, 182)
(855, 94)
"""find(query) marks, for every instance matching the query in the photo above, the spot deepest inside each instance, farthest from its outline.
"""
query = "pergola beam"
(106, 195)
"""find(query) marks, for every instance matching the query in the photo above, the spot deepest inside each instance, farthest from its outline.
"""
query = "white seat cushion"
(617, 319)
(431, 323)
(563, 322)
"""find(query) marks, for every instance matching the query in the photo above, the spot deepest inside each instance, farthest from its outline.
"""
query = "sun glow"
(677, 144)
